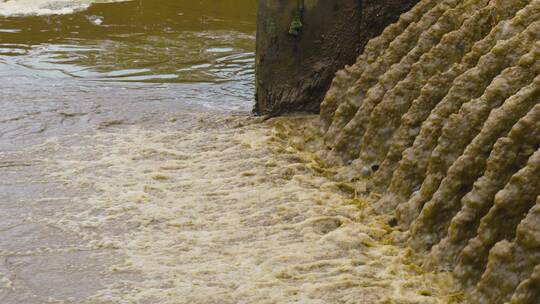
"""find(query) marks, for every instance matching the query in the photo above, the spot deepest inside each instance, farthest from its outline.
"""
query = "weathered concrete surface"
(445, 124)
(302, 43)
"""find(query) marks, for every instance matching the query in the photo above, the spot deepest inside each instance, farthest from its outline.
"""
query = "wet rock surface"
(301, 44)
(445, 123)
(430, 142)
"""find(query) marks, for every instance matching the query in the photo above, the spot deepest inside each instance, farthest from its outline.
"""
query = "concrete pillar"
(302, 43)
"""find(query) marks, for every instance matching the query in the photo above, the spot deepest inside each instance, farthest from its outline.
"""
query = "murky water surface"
(88, 59)
(130, 171)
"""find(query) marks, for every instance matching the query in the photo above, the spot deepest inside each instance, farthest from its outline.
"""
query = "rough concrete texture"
(445, 124)
(302, 43)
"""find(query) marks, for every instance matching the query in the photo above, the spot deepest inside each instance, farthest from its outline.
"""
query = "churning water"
(125, 179)
(130, 171)
(442, 111)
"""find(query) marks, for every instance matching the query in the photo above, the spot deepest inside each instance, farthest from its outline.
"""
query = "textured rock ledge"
(441, 114)
(301, 44)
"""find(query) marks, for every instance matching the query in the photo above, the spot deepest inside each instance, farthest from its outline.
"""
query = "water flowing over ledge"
(201, 208)
(441, 115)
(426, 153)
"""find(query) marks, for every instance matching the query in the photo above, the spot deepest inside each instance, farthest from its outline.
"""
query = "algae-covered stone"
(509, 154)
(350, 85)
(301, 44)
(480, 120)
(449, 115)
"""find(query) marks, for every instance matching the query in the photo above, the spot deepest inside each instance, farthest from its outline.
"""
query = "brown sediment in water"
(447, 134)
(440, 118)
(216, 209)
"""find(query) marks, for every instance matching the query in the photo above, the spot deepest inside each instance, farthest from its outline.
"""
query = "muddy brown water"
(131, 171)
(70, 64)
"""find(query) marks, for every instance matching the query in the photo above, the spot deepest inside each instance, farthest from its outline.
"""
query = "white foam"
(9, 8)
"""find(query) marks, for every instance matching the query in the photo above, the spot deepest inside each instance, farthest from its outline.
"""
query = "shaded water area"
(132, 172)
(72, 70)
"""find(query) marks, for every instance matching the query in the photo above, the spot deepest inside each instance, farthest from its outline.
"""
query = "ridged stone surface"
(442, 112)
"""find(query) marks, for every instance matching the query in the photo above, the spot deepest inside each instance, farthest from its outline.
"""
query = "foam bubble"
(10, 8)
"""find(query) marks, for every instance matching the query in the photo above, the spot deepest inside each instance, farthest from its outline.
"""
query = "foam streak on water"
(45, 7)
(224, 211)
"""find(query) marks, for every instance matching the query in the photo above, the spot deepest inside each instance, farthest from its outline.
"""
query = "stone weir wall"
(442, 112)
(302, 43)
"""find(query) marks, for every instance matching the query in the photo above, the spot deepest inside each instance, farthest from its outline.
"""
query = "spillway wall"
(442, 111)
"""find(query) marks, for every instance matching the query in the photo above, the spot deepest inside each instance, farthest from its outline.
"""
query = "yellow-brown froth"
(229, 210)
(449, 137)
